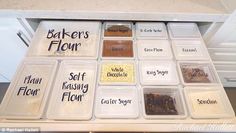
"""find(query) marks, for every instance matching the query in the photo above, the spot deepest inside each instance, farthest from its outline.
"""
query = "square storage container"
(190, 50)
(118, 29)
(117, 102)
(120, 72)
(208, 102)
(28, 92)
(73, 92)
(158, 73)
(59, 39)
(163, 102)
(198, 73)
(118, 49)
(183, 31)
(151, 30)
(154, 49)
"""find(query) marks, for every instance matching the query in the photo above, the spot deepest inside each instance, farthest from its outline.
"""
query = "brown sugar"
(117, 48)
(118, 31)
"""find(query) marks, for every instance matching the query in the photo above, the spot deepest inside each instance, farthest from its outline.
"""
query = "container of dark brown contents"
(197, 73)
(163, 102)
(113, 29)
(117, 48)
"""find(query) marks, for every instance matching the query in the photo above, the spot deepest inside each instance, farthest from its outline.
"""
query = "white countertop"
(158, 10)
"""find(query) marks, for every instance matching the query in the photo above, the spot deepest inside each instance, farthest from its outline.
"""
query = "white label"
(159, 73)
(151, 30)
(159, 49)
(189, 50)
(206, 103)
(117, 102)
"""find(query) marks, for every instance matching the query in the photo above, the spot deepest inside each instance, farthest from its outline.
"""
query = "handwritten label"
(191, 50)
(151, 30)
(28, 81)
(112, 73)
(123, 102)
(75, 88)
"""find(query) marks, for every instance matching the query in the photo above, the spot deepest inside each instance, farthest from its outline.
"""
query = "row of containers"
(67, 77)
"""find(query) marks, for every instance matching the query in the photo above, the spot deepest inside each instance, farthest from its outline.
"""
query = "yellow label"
(117, 73)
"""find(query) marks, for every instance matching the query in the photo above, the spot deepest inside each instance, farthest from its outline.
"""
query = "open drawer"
(227, 73)
(222, 54)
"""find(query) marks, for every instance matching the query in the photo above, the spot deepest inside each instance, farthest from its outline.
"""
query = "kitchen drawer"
(222, 54)
(227, 74)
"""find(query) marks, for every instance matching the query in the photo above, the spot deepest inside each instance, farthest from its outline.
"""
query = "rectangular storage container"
(28, 92)
(62, 39)
(73, 92)
(116, 102)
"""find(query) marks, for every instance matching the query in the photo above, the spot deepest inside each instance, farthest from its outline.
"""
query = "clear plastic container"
(208, 102)
(151, 30)
(197, 73)
(117, 49)
(163, 102)
(158, 73)
(117, 102)
(73, 92)
(118, 29)
(28, 92)
(120, 72)
(190, 50)
(183, 31)
(59, 39)
(154, 49)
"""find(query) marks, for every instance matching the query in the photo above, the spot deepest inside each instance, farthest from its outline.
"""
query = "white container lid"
(158, 73)
(119, 72)
(190, 50)
(163, 102)
(117, 102)
(183, 30)
(197, 73)
(66, 39)
(117, 30)
(28, 92)
(154, 49)
(151, 30)
(208, 102)
(73, 91)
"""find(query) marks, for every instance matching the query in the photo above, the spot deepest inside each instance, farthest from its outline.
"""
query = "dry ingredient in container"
(117, 48)
(157, 104)
(117, 73)
(194, 75)
(74, 91)
(55, 38)
(115, 30)
(206, 102)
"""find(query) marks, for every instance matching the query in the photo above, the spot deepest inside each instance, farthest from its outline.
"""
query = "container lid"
(117, 49)
(190, 50)
(208, 102)
(117, 102)
(151, 30)
(163, 102)
(66, 39)
(197, 73)
(118, 29)
(28, 91)
(183, 30)
(117, 73)
(158, 73)
(154, 49)
(73, 91)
